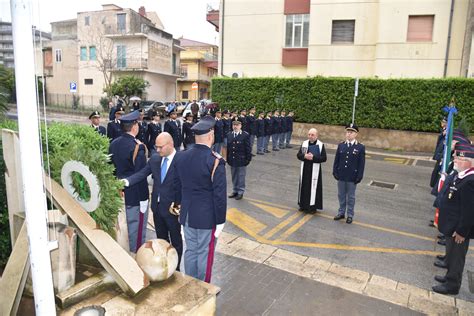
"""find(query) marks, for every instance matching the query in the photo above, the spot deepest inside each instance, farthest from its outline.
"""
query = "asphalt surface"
(390, 235)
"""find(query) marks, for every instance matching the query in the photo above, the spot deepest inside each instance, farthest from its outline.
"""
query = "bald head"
(164, 144)
(313, 135)
(206, 139)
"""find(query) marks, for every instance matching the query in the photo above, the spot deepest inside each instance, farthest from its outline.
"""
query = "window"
(88, 81)
(92, 54)
(59, 57)
(121, 22)
(342, 31)
(87, 20)
(83, 53)
(420, 28)
(297, 30)
(184, 70)
(121, 56)
(185, 94)
(174, 63)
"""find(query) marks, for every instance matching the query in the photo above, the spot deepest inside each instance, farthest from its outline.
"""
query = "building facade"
(100, 46)
(198, 65)
(351, 38)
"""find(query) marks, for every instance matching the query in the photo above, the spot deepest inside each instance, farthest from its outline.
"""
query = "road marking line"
(247, 223)
(275, 211)
(375, 227)
(280, 226)
(400, 161)
(295, 227)
(368, 156)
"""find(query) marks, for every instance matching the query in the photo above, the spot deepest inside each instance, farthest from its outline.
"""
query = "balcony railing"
(128, 64)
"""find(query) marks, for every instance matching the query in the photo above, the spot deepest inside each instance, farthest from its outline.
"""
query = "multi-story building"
(355, 38)
(198, 65)
(99, 46)
(7, 58)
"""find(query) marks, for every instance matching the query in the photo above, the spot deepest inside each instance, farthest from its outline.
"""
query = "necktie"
(164, 168)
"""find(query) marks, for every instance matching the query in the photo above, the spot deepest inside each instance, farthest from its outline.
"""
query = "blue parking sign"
(73, 87)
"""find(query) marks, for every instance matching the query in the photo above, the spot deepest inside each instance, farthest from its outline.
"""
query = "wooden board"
(14, 277)
(115, 260)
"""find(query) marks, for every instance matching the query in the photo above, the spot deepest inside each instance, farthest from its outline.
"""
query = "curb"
(353, 280)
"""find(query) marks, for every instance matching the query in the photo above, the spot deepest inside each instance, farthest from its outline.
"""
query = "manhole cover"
(380, 184)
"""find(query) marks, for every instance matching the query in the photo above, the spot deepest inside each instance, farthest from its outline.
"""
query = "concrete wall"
(162, 88)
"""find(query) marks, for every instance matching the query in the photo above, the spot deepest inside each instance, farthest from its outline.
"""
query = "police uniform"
(242, 118)
(283, 130)
(129, 156)
(457, 216)
(173, 127)
(153, 130)
(239, 155)
(113, 127)
(201, 185)
(99, 129)
(289, 129)
(348, 170)
(188, 134)
(268, 131)
(260, 133)
(275, 132)
(252, 128)
(218, 135)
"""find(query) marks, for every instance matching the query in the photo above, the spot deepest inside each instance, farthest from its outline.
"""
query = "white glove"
(143, 206)
(219, 229)
(125, 182)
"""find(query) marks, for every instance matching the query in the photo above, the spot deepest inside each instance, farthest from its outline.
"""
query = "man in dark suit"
(162, 167)
(201, 186)
(456, 219)
(129, 156)
(239, 155)
(173, 127)
(348, 170)
(95, 123)
(113, 127)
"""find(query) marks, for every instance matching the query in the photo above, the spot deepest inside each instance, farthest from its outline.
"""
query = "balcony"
(194, 77)
(127, 64)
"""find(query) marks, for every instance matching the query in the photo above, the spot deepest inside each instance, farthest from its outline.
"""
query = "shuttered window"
(420, 28)
(342, 31)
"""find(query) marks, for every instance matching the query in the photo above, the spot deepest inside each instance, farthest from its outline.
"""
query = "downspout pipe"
(221, 27)
(449, 39)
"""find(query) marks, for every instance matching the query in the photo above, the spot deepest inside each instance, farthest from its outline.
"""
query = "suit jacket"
(349, 162)
(174, 128)
(203, 201)
(166, 190)
(152, 133)
(188, 134)
(239, 152)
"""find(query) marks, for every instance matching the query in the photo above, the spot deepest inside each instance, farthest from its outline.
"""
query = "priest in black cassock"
(312, 153)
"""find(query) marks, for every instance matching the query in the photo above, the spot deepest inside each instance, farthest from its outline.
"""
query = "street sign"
(72, 87)
(194, 86)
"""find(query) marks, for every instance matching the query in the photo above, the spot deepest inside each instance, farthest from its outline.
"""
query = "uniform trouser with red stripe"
(136, 225)
(199, 253)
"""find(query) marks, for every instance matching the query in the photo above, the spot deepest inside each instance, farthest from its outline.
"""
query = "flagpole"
(30, 158)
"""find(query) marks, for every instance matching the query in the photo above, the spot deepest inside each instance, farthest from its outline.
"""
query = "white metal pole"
(356, 93)
(30, 158)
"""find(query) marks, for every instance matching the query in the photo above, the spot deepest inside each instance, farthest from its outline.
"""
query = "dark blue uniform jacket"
(219, 131)
(239, 152)
(349, 162)
(174, 128)
(260, 128)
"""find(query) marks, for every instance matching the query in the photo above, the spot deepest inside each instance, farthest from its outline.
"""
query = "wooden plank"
(115, 260)
(15, 274)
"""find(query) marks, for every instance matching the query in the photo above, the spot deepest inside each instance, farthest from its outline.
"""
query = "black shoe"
(442, 242)
(338, 217)
(440, 264)
(301, 210)
(311, 212)
(440, 279)
(267, 151)
(441, 257)
(253, 155)
(349, 220)
(441, 236)
(289, 146)
(260, 153)
(431, 224)
(239, 196)
(276, 149)
(443, 289)
(233, 195)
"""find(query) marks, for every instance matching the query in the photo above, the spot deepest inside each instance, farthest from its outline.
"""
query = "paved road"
(389, 237)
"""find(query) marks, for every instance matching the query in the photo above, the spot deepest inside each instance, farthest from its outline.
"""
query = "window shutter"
(420, 28)
(343, 31)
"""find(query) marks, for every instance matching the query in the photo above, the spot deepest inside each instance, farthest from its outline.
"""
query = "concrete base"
(180, 294)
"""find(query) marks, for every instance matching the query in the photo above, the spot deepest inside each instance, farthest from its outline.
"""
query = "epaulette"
(138, 142)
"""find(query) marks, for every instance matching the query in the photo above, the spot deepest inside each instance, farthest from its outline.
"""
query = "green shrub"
(403, 104)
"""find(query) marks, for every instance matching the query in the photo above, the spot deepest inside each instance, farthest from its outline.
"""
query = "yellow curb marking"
(275, 211)
(295, 227)
(247, 223)
(280, 226)
(400, 161)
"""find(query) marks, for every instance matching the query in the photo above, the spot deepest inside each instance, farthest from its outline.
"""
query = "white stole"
(315, 174)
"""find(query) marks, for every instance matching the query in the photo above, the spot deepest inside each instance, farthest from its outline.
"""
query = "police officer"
(173, 127)
(348, 170)
(268, 131)
(188, 134)
(283, 130)
(252, 127)
(218, 133)
(260, 133)
(95, 123)
(129, 156)
(154, 129)
(276, 124)
(201, 185)
(142, 127)
(113, 127)
(289, 128)
(239, 155)
(456, 219)
(243, 120)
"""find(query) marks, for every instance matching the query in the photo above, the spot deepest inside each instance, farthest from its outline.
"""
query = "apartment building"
(198, 65)
(354, 38)
(99, 46)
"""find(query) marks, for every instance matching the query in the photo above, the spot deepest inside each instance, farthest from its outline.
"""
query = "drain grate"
(385, 185)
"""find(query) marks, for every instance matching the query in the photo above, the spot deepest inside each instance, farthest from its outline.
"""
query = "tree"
(128, 86)
(7, 85)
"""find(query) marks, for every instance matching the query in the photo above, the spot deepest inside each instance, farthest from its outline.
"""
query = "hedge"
(402, 104)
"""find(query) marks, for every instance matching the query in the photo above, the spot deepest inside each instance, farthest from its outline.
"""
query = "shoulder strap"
(135, 152)
(216, 164)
